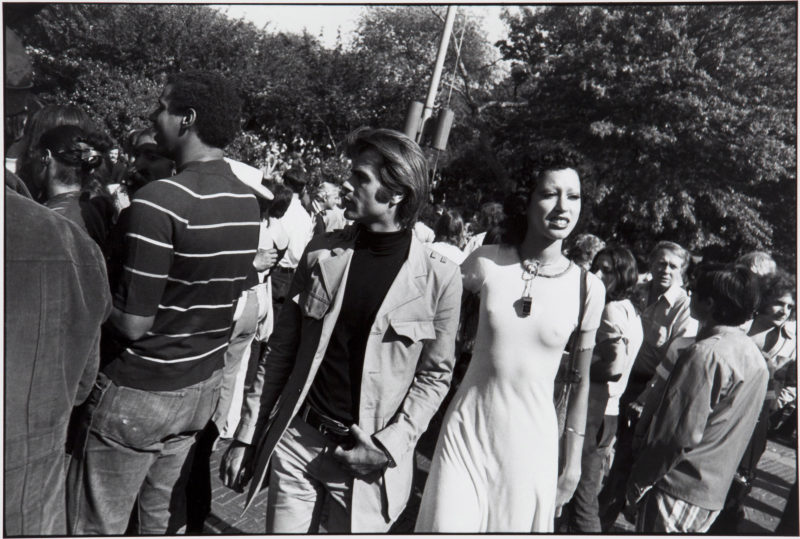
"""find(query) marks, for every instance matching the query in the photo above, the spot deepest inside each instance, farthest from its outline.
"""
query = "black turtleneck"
(377, 258)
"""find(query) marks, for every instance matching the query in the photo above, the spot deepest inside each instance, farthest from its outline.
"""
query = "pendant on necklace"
(531, 270)
(527, 304)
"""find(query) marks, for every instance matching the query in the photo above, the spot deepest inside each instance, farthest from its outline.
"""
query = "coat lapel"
(332, 269)
(409, 283)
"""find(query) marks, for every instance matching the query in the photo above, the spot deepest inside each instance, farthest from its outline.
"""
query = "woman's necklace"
(530, 270)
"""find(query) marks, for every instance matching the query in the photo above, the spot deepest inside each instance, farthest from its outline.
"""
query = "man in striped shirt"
(189, 243)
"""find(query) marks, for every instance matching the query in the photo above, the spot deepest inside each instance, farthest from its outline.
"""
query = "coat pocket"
(314, 304)
(414, 330)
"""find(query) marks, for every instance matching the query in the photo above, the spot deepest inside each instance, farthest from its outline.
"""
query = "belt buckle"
(339, 435)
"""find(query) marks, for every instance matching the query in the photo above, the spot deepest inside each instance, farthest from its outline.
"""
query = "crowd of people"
(161, 295)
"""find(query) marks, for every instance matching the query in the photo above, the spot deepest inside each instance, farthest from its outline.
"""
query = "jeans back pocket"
(137, 418)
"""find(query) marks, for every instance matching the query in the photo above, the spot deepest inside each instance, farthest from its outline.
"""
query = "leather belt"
(334, 430)
(282, 269)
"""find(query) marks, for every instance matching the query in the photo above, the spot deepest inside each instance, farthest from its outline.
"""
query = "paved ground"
(776, 472)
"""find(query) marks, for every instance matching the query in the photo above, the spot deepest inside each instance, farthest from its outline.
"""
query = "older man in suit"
(360, 360)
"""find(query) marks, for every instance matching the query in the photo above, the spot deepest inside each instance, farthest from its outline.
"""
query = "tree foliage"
(684, 114)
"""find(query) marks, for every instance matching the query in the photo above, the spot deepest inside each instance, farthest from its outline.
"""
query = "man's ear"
(47, 157)
(189, 118)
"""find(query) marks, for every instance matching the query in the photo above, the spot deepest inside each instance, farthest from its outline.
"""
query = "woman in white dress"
(495, 468)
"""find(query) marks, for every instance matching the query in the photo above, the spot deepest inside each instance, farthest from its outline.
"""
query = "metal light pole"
(415, 124)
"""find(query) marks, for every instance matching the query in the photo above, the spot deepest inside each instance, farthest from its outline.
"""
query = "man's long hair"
(404, 169)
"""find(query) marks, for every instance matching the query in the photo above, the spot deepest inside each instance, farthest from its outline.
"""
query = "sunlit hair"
(215, 101)
(734, 290)
(672, 248)
(325, 189)
(759, 262)
(624, 272)
(450, 228)
(584, 249)
(404, 169)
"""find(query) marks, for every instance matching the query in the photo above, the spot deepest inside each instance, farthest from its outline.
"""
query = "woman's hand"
(567, 483)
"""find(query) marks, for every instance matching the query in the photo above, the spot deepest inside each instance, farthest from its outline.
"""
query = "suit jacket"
(408, 364)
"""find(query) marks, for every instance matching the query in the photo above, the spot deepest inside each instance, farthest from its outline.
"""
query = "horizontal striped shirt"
(189, 243)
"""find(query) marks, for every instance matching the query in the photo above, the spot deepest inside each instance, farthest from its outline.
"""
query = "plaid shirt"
(662, 513)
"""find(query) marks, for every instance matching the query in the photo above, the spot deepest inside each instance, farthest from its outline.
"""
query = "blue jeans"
(130, 443)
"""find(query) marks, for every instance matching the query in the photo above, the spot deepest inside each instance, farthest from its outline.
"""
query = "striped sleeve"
(148, 251)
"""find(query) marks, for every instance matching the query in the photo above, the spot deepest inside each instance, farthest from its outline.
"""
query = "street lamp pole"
(437, 70)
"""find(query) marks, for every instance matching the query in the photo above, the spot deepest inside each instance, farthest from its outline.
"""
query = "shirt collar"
(710, 331)
(207, 166)
(789, 329)
(673, 294)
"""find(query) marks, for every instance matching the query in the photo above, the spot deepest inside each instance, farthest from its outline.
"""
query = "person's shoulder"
(488, 252)
(789, 329)
(160, 188)
(593, 281)
(618, 309)
(336, 239)
(594, 286)
(42, 233)
(437, 260)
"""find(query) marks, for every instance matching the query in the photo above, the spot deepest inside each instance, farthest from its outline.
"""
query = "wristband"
(573, 431)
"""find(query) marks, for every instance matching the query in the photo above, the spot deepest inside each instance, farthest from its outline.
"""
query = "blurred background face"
(113, 155)
(604, 269)
(666, 269)
(331, 198)
(150, 164)
(779, 311)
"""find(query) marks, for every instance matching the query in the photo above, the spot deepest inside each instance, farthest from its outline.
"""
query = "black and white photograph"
(400, 268)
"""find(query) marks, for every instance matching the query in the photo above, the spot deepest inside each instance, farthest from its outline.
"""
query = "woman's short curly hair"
(214, 99)
(775, 286)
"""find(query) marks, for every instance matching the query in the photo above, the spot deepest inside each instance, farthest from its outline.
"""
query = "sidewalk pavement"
(777, 470)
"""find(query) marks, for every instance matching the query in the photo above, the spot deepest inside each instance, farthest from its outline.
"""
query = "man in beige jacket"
(360, 360)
